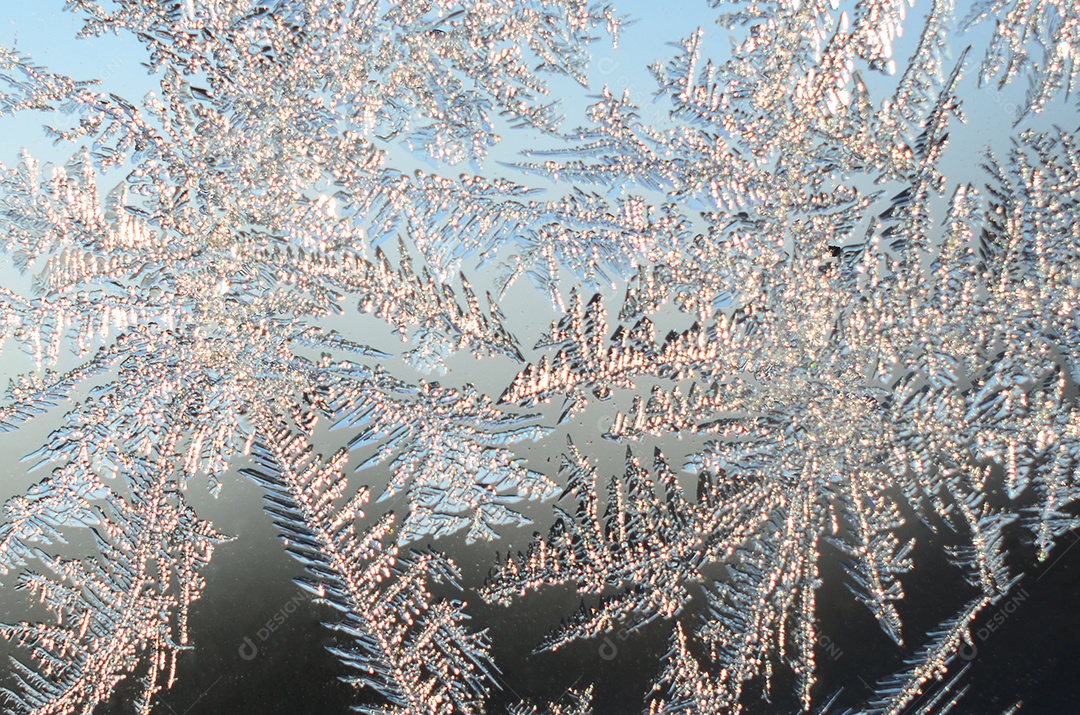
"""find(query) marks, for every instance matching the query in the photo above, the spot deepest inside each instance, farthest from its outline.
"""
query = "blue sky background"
(43, 30)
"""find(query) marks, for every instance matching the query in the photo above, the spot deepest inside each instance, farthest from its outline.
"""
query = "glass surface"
(539, 356)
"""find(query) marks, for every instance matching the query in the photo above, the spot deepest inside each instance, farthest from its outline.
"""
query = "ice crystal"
(444, 326)
(449, 449)
(414, 653)
(649, 541)
(575, 703)
(1050, 29)
(117, 616)
(861, 342)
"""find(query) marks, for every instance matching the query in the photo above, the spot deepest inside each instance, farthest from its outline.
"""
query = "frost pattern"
(1039, 38)
(414, 653)
(121, 615)
(449, 449)
(574, 703)
(866, 344)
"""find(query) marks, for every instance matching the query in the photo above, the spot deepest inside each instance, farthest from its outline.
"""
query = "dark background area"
(1031, 656)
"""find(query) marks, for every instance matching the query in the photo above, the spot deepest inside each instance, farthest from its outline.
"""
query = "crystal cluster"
(866, 342)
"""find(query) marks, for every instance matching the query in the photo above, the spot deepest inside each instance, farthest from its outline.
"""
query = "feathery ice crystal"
(866, 342)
